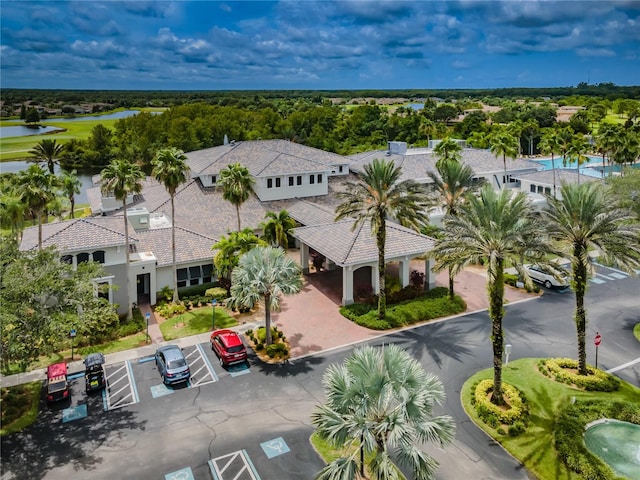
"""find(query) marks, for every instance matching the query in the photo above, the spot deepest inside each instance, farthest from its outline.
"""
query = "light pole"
(213, 315)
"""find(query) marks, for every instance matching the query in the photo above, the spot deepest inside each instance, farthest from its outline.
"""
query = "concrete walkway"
(310, 321)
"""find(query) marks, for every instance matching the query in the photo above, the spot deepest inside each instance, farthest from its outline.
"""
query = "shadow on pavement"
(288, 368)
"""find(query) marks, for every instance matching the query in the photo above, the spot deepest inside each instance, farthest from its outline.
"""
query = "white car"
(545, 277)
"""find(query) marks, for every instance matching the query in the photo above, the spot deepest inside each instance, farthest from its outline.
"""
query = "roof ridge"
(355, 239)
(194, 232)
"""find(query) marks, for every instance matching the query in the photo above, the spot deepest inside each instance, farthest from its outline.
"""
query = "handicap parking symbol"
(182, 474)
(74, 413)
(275, 447)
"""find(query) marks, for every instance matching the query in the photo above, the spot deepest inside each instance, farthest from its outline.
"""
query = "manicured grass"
(194, 322)
(19, 406)
(124, 343)
(636, 331)
(535, 447)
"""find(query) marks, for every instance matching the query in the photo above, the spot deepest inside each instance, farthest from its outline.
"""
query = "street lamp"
(213, 316)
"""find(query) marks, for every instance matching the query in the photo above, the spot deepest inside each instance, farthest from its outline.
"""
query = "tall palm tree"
(585, 219)
(12, 213)
(47, 151)
(380, 194)
(380, 400)
(70, 185)
(606, 141)
(275, 228)
(237, 186)
(264, 273)
(170, 168)
(565, 137)
(550, 145)
(452, 183)
(492, 228)
(37, 189)
(577, 147)
(504, 143)
(627, 148)
(229, 250)
(447, 150)
(122, 178)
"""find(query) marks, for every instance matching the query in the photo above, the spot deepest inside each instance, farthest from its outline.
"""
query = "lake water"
(50, 124)
(85, 178)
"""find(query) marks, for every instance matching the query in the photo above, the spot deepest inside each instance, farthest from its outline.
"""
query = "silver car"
(546, 277)
(172, 365)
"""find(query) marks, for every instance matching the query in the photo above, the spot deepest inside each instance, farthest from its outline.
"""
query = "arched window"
(67, 259)
(82, 257)
(98, 256)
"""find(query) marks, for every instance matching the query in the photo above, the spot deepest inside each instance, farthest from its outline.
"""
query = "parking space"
(202, 371)
(233, 466)
(121, 387)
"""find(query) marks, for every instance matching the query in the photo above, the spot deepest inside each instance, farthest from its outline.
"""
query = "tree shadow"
(48, 442)
(288, 368)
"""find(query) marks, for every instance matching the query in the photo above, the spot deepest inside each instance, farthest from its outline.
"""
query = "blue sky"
(205, 45)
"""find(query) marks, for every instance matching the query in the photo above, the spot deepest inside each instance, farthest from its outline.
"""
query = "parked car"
(57, 384)
(228, 346)
(546, 277)
(172, 365)
(94, 376)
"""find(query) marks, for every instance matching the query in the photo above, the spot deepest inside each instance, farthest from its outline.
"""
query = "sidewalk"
(310, 321)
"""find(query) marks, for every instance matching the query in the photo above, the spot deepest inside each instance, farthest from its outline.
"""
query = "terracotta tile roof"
(345, 246)
(79, 234)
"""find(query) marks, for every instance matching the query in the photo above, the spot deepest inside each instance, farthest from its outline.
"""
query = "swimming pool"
(592, 168)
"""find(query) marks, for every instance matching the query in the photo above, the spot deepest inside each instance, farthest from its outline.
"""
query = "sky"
(317, 45)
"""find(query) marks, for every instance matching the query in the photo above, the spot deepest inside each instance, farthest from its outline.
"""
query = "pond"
(84, 177)
(617, 443)
(47, 127)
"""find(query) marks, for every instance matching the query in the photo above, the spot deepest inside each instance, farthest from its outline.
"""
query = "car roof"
(228, 337)
(57, 370)
(94, 359)
(171, 351)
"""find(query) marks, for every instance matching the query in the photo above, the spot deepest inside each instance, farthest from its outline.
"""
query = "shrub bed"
(561, 370)
(570, 426)
(277, 351)
(432, 304)
(514, 415)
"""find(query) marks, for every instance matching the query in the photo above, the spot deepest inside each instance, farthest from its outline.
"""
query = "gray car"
(172, 365)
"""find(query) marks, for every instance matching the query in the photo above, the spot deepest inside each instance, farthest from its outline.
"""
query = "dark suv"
(94, 377)
(172, 365)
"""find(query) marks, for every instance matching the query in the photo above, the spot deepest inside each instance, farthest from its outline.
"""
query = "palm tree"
(506, 144)
(47, 151)
(492, 228)
(577, 147)
(585, 219)
(627, 148)
(170, 168)
(452, 183)
(550, 145)
(12, 213)
(229, 250)
(122, 178)
(565, 137)
(381, 401)
(264, 272)
(37, 188)
(606, 141)
(447, 150)
(380, 194)
(275, 228)
(70, 186)
(237, 185)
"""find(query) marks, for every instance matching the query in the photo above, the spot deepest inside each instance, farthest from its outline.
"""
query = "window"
(213, 179)
(532, 189)
(539, 189)
(207, 271)
(269, 182)
(291, 181)
(319, 178)
(340, 168)
(312, 179)
(547, 190)
(278, 182)
(183, 275)
(98, 256)
(82, 257)
(67, 259)
(194, 275)
(299, 180)
(103, 290)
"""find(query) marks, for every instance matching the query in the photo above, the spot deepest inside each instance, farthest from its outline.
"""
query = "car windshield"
(236, 349)
(176, 363)
(57, 386)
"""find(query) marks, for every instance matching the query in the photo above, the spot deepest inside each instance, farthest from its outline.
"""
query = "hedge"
(493, 415)
(432, 304)
(569, 431)
(596, 380)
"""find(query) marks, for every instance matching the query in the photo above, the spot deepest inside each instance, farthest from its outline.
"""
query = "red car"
(228, 347)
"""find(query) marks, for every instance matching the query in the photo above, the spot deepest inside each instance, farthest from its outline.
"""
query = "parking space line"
(210, 375)
(129, 383)
(240, 460)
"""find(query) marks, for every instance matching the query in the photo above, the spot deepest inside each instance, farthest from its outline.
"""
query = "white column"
(404, 268)
(429, 274)
(347, 285)
(375, 280)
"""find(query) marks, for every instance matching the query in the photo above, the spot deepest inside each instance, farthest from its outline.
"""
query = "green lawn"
(535, 447)
(194, 322)
(19, 406)
(636, 331)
